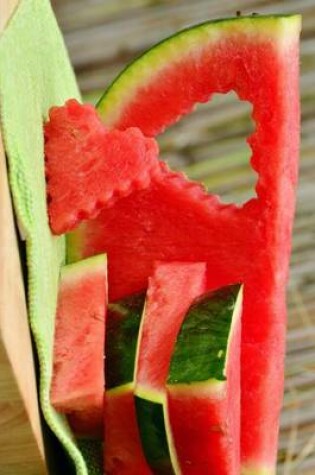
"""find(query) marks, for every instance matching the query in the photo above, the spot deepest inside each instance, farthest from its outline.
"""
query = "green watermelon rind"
(168, 51)
(155, 406)
(217, 333)
(257, 471)
(82, 268)
(122, 389)
(121, 340)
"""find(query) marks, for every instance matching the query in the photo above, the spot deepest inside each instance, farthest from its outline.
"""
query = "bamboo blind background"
(102, 37)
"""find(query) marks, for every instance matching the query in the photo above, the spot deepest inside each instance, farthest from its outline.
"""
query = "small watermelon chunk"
(172, 289)
(203, 385)
(78, 367)
(123, 451)
(89, 166)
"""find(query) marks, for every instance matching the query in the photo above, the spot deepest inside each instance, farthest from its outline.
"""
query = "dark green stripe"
(122, 328)
(201, 346)
(152, 429)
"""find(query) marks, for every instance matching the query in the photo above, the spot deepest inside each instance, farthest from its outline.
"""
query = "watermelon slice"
(257, 57)
(204, 385)
(172, 289)
(123, 450)
(78, 376)
(88, 166)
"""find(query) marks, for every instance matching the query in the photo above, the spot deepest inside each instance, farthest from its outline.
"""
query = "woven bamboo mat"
(102, 36)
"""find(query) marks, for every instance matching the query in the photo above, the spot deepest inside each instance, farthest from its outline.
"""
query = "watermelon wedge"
(172, 289)
(89, 166)
(257, 57)
(78, 377)
(204, 385)
(123, 450)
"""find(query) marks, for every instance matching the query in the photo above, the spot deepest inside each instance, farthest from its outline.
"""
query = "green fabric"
(35, 74)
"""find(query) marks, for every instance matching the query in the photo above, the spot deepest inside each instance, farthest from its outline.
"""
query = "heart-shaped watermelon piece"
(89, 166)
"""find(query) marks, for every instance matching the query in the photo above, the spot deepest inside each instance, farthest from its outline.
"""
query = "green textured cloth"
(35, 73)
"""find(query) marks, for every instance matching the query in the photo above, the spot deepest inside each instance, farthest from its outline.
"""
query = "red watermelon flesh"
(78, 369)
(172, 220)
(89, 166)
(257, 57)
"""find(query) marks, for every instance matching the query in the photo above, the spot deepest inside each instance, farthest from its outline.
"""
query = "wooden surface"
(102, 37)
(21, 444)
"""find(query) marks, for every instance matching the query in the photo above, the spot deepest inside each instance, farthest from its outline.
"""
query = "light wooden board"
(21, 443)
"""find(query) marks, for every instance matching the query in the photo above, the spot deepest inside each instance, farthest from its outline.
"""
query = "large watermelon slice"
(88, 166)
(172, 288)
(257, 57)
(123, 450)
(78, 375)
(204, 385)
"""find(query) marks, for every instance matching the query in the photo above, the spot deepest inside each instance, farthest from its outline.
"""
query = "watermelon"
(78, 382)
(89, 166)
(203, 385)
(123, 450)
(172, 288)
(175, 219)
